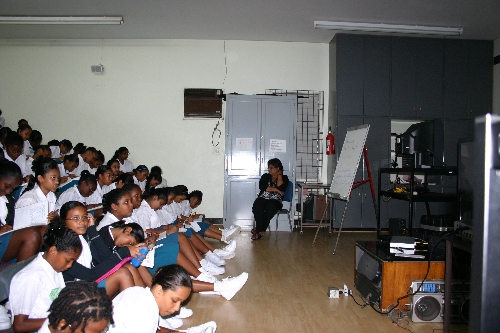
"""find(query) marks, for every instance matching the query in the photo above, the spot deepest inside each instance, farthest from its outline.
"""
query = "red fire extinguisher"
(330, 142)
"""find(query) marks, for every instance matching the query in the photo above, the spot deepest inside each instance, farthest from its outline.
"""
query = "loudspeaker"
(397, 227)
(427, 307)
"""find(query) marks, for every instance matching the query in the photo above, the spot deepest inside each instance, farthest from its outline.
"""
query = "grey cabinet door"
(240, 194)
(404, 74)
(456, 79)
(278, 127)
(430, 78)
(243, 131)
(350, 59)
(377, 76)
(480, 77)
(454, 130)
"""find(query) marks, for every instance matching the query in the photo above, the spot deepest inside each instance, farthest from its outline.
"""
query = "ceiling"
(262, 20)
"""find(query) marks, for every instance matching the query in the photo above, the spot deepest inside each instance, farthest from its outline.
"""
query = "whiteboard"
(347, 165)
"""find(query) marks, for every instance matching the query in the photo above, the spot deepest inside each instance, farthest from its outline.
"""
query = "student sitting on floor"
(24, 131)
(80, 307)
(41, 188)
(96, 260)
(31, 289)
(63, 148)
(13, 151)
(85, 158)
(170, 287)
(87, 185)
(67, 168)
(40, 151)
(121, 155)
(20, 244)
(141, 173)
(119, 182)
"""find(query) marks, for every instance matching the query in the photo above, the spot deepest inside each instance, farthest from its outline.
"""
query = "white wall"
(496, 78)
(138, 101)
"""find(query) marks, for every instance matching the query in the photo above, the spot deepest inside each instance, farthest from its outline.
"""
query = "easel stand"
(336, 196)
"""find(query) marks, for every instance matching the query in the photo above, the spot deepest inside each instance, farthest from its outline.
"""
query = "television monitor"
(422, 144)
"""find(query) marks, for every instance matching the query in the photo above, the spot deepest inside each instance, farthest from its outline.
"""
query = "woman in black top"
(272, 186)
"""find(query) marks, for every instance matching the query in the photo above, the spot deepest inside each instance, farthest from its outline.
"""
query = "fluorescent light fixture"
(395, 28)
(61, 19)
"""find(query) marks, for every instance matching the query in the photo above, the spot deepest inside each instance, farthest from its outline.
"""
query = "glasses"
(84, 218)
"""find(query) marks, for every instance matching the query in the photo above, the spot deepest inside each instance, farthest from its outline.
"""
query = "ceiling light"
(61, 19)
(396, 28)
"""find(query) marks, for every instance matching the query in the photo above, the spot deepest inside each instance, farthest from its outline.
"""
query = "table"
(318, 187)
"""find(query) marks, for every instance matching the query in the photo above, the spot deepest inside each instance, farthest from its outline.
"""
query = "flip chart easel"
(343, 179)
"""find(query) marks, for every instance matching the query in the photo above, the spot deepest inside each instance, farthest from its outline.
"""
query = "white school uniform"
(127, 166)
(3, 209)
(135, 310)
(108, 188)
(56, 152)
(71, 194)
(85, 258)
(29, 165)
(82, 165)
(28, 149)
(63, 172)
(92, 170)
(132, 218)
(185, 208)
(108, 219)
(96, 197)
(165, 216)
(147, 217)
(163, 183)
(142, 184)
(30, 288)
(36, 195)
(174, 209)
(45, 327)
(20, 161)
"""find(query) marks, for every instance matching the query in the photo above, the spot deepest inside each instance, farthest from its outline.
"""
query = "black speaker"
(397, 227)
(485, 245)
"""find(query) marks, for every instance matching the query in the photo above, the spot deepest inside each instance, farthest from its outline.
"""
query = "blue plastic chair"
(287, 198)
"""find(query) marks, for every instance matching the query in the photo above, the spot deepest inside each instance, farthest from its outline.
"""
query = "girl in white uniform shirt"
(121, 180)
(87, 184)
(67, 168)
(96, 162)
(116, 205)
(13, 151)
(31, 288)
(141, 173)
(136, 198)
(138, 309)
(121, 155)
(65, 147)
(47, 181)
(20, 244)
(157, 169)
(40, 151)
(84, 159)
(24, 131)
(80, 307)
(114, 165)
(104, 178)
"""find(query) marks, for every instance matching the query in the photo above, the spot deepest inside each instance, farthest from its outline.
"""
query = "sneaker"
(212, 268)
(209, 327)
(229, 234)
(206, 276)
(171, 323)
(4, 319)
(229, 286)
(221, 253)
(184, 313)
(214, 258)
(230, 247)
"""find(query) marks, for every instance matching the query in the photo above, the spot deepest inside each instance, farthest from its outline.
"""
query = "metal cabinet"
(350, 59)
(258, 128)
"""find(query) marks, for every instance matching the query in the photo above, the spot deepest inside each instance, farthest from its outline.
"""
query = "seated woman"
(82, 192)
(80, 307)
(272, 186)
(170, 287)
(118, 182)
